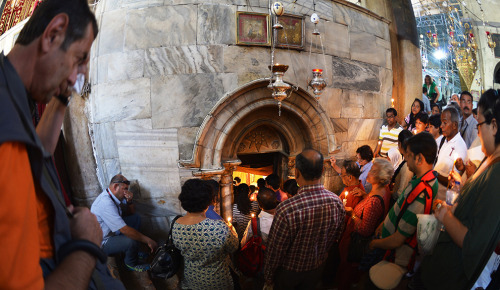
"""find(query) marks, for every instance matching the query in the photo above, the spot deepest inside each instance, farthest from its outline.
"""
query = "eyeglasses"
(123, 181)
(479, 125)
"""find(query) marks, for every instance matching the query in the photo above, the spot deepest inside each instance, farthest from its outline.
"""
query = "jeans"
(122, 244)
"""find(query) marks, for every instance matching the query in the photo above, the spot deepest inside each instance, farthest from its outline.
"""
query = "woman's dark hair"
(435, 120)
(261, 183)
(214, 185)
(474, 111)
(403, 137)
(365, 152)
(424, 144)
(352, 168)
(423, 117)
(490, 107)
(438, 106)
(241, 198)
(195, 195)
(428, 76)
(413, 117)
(291, 187)
(252, 188)
(79, 15)
(273, 180)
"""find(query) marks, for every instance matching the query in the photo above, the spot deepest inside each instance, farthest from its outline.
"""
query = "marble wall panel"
(123, 100)
(355, 75)
(112, 31)
(334, 36)
(160, 26)
(110, 168)
(184, 60)
(185, 100)
(150, 156)
(216, 24)
(217, 2)
(365, 23)
(105, 140)
(137, 4)
(186, 137)
(331, 100)
(363, 129)
(109, 5)
(364, 48)
(375, 105)
(252, 62)
(386, 79)
(121, 66)
(340, 125)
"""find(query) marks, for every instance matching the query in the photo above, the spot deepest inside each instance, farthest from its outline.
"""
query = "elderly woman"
(365, 217)
(473, 223)
(204, 243)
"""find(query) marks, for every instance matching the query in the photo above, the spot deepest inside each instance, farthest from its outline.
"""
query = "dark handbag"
(358, 246)
(168, 258)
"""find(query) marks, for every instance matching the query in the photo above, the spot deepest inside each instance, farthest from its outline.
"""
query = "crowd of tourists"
(440, 162)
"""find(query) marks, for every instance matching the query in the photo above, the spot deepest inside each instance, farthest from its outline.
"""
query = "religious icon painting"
(252, 29)
(292, 34)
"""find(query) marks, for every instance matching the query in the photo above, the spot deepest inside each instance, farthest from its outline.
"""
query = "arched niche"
(303, 123)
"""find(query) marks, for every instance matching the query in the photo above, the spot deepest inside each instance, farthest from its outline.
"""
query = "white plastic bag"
(428, 230)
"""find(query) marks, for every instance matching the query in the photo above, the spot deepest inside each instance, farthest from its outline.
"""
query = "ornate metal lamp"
(434, 42)
(317, 83)
(279, 87)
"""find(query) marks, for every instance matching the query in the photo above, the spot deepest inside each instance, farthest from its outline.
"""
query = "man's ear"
(55, 32)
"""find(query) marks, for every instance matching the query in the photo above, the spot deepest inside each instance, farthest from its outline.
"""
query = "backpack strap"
(256, 226)
(422, 186)
(439, 150)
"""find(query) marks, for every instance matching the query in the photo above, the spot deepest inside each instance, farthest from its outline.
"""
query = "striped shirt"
(407, 226)
(242, 219)
(389, 138)
(304, 228)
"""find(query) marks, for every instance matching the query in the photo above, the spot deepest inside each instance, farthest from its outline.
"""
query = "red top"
(352, 200)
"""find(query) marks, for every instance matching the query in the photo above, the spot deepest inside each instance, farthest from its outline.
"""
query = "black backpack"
(168, 258)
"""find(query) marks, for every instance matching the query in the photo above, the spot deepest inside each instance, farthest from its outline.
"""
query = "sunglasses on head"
(124, 182)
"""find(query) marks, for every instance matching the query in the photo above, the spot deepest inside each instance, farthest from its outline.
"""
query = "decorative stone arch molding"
(303, 123)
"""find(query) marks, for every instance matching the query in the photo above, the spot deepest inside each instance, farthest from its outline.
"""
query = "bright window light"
(440, 54)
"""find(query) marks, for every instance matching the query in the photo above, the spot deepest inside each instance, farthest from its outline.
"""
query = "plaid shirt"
(304, 228)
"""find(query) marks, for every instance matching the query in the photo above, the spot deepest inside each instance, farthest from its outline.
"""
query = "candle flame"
(346, 193)
(253, 215)
(228, 219)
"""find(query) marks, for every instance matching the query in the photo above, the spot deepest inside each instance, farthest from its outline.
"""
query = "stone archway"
(303, 123)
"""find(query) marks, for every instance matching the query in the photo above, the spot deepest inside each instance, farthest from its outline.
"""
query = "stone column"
(226, 184)
(406, 62)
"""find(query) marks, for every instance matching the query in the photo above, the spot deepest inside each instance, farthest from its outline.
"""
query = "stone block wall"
(159, 67)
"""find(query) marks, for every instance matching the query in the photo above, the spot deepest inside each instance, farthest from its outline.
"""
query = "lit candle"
(345, 197)
(253, 215)
(392, 102)
(229, 220)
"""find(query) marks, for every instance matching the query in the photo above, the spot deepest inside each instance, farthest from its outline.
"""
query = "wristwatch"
(64, 100)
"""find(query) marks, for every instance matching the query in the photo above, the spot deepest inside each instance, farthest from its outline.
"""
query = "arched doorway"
(303, 123)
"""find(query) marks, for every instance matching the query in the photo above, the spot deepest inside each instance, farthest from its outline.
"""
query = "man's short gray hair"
(454, 115)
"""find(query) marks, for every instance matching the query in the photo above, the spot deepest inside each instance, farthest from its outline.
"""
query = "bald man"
(304, 228)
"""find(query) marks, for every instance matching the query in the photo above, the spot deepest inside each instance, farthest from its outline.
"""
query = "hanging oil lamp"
(279, 87)
(317, 83)
(434, 42)
(491, 43)
(315, 21)
(429, 34)
(453, 42)
(278, 10)
(473, 43)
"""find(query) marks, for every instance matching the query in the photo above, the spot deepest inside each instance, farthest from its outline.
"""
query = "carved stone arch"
(303, 123)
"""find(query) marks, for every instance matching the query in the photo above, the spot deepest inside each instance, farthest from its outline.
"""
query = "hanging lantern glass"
(279, 87)
(278, 10)
(491, 43)
(434, 42)
(317, 83)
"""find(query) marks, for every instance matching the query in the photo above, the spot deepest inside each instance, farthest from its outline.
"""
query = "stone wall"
(159, 67)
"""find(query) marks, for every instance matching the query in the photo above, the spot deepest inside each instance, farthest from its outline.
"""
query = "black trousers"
(288, 280)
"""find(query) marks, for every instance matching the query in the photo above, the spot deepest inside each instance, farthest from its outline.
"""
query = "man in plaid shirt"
(304, 228)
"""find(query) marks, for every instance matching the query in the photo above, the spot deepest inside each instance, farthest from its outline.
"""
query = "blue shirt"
(211, 214)
(364, 173)
(106, 208)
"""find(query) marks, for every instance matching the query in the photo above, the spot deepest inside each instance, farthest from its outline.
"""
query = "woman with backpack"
(363, 221)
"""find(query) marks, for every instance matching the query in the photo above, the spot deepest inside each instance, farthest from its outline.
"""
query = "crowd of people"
(311, 237)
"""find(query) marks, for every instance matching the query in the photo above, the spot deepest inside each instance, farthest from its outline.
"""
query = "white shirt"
(106, 208)
(455, 148)
(266, 220)
(438, 141)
